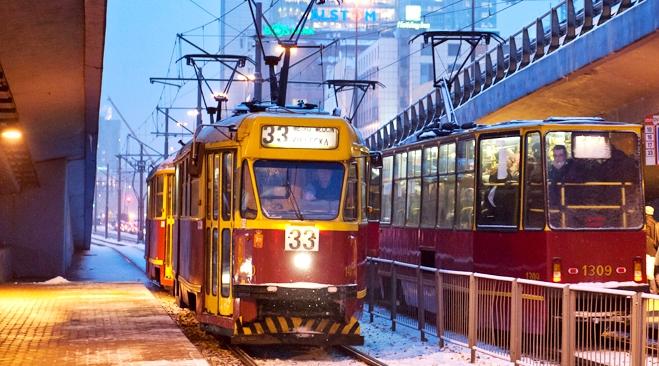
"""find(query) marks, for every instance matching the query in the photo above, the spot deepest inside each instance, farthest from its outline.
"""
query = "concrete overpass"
(580, 59)
(51, 60)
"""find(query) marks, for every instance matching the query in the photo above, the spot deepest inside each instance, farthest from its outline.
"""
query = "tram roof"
(164, 166)
(551, 122)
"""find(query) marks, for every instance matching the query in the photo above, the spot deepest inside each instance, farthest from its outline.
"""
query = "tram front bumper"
(285, 291)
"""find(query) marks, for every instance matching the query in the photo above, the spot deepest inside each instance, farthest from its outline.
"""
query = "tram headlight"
(246, 270)
(302, 261)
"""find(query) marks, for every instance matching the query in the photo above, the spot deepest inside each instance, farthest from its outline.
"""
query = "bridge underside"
(51, 59)
(624, 86)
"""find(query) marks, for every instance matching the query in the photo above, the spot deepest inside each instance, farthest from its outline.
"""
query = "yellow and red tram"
(557, 200)
(270, 222)
(158, 245)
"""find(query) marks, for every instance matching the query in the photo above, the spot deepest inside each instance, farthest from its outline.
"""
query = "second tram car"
(559, 200)
(158, 245)
(271, 216)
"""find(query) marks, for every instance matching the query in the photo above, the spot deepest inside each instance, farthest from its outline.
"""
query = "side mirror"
(376, 159)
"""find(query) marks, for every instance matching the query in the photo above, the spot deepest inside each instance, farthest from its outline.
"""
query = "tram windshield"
(299, 190)
(593, 180)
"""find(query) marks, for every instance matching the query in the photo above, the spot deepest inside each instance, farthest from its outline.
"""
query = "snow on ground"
(404, 347)
(59, 280)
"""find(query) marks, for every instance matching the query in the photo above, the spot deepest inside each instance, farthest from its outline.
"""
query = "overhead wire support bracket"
(444, 83)
(341, 85)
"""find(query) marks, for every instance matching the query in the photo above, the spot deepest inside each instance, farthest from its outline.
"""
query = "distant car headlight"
(302, 261)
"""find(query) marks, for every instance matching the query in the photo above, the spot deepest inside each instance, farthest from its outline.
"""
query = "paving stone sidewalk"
(89, 324)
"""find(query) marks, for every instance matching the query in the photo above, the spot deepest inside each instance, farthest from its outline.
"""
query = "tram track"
(243, 356)
(360, 356)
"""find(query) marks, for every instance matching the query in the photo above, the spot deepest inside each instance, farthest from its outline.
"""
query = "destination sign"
(296, 137)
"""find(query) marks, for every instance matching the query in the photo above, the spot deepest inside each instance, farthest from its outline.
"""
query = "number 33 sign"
(301, 238)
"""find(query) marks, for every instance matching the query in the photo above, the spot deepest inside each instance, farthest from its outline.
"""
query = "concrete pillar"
(36, 224)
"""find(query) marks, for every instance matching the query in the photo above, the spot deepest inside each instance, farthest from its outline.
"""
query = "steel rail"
(240, 353)
(361, 356)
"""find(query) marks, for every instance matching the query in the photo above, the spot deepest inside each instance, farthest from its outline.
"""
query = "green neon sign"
(284, 30)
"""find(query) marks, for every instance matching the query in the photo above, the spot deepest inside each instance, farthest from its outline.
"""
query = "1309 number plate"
(302, 238)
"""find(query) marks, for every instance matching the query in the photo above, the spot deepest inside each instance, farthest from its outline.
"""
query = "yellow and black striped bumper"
(296, 330)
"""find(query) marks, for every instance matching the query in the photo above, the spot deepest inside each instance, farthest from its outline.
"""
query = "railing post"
(515, 322)
(567, 327)
(439, 321)
(638, 340)
(421, 309)
(473, 321)
(392, 311)
(370, 281)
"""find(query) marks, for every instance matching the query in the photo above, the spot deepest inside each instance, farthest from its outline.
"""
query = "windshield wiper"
(293, 200)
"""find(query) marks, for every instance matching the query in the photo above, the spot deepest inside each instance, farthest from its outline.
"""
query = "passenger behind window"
(325, 185)
(500, 204)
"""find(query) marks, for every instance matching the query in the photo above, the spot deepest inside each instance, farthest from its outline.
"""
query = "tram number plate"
(302, 238)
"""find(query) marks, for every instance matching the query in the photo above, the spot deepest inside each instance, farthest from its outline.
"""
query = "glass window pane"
(413, 201)
(299, 190)
(350, 203)
(430, 161)
(227, 185)
(593, 180)
(534, 200)
(465, 202)
(498, 184)
(414, 164)
(209, 186)
(400, 192)
(400, 166)
(214, 263)
(387, 174)
(194, 197)
(446, 198)
(159, 196)
(226, 262)
(465, 155)
(247, 200)
(374, 194)
(429, 197)
(215, 178)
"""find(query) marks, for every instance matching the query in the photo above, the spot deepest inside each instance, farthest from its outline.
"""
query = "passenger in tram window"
(500, 204)
(326, 185)
(558, 172)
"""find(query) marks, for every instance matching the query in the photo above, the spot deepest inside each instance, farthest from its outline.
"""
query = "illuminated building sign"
(412, 19)
(285, 30)
(342, 15)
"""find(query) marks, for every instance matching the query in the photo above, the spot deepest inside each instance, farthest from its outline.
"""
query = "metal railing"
(526, 322)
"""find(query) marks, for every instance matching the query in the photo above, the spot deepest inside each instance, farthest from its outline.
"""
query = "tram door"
(219, 191)
(169, 225)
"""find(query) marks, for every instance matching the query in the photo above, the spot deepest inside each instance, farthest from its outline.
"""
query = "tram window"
(226, 262)
(387, 173)
(209, 185)
(350, 202)
(465, 185)
(207, 255)
(413, 188)
(374, 184)
(170, 187)
(213, 270)
(362, 185)
(216, 186)
(177, 201)
(247, 200)
(159, 196)
(194, 197)
(534, 193)
(400, 189)
(429, 187)
(446, 186)
(185, 194)
(227, 185)
(593, 180)
(498, 183)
